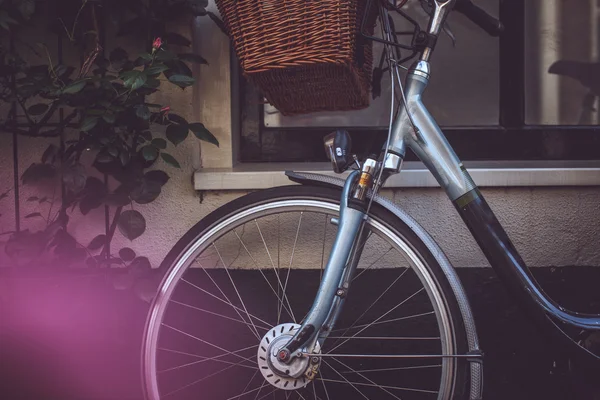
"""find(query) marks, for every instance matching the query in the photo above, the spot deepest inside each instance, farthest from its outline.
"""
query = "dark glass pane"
(562, 74)
(463, 91)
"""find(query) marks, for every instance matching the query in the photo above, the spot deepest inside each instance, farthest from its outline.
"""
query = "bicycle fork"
(345, 253)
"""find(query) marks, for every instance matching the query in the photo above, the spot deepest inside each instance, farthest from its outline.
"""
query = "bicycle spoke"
(383, 338)
(198, 381)
(372, 323)
(280, 300)
(396, 368)
(347, 381)
(235, 308)
(236, 290)
(369, 380)
(274, 389)
(226, 302)
(260, 388)
(245, 393)
(211, 344)
(215, 314)
(373, 304)
(392, 320)
(370, 265)
(380, 386)
(292, 260)
(204, 359)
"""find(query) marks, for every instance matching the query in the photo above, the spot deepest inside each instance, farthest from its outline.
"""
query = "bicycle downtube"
(350, 222)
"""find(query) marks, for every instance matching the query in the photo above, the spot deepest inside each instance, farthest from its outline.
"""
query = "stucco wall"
(550, 226)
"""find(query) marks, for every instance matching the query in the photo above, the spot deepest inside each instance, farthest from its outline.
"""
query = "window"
(494, 98)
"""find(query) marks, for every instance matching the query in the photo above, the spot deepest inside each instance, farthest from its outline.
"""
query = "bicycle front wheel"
(244, 278)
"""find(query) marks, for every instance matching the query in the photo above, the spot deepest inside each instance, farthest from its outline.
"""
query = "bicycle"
(226, 272)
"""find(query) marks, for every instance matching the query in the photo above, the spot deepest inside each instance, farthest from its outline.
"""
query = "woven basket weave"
(304, 55)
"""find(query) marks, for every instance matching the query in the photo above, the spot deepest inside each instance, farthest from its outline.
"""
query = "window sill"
(414, 174)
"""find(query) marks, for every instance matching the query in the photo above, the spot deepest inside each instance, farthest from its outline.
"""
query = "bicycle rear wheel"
(247, 274)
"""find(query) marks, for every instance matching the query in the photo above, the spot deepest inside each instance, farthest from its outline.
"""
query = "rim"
(231, 222)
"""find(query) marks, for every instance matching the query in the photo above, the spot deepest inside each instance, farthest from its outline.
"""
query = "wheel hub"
(292, 376)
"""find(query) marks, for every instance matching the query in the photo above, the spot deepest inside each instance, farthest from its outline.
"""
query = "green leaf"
(156, 69)
(126, 254)
(176, 39)
(177, 119)
(74, 87)
(26, 8)
(152, 83)
(38, 109)
(97, 242)
(146, 192)
(140, 267)
(177, 133)
(150, 153)
(153, 105)
(134, 79)
(118, 55)
(157, 176)
(142, 111)
(37, 173)
(191, 57)
(33, 215)
(181, 80)
(109, 118)
(169, 159)
(49, 153)
(218, 22)
(160, 143)
(146, 135)
(203, 134)
(145, 56)
(165, 55)
(88, 123)
(124, 157)
(132, 224)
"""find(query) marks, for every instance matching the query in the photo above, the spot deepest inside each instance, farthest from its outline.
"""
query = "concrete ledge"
(414, 174)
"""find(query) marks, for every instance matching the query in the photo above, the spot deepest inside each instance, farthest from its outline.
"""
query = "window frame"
(511, 139)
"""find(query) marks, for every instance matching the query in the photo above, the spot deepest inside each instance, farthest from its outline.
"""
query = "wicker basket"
(304, 55)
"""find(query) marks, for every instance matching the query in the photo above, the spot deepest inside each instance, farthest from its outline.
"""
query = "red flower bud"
(157, 43)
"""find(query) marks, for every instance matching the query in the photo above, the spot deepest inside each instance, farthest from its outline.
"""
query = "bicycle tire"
(458, 386)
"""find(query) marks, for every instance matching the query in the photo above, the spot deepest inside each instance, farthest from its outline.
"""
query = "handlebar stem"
(441, 10)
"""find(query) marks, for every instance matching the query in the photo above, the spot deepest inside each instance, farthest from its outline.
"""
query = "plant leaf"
(50, 152)
(37, 173)
(118, 55)
(132, 224)
(150, 153)
(178, 119)
(88, 123)
(38, 109)
(169, 159)
(126, 254)
(218, 22)
(176, 39)
(156, 69)
(97, 242)
(134, 79)
(191, 57)
(203, 134)
(109, 118)
(160, 143)
(182, 80)
(157, 176)
(177, 133)
(74, 87)
(32, 215)
(142, 111)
